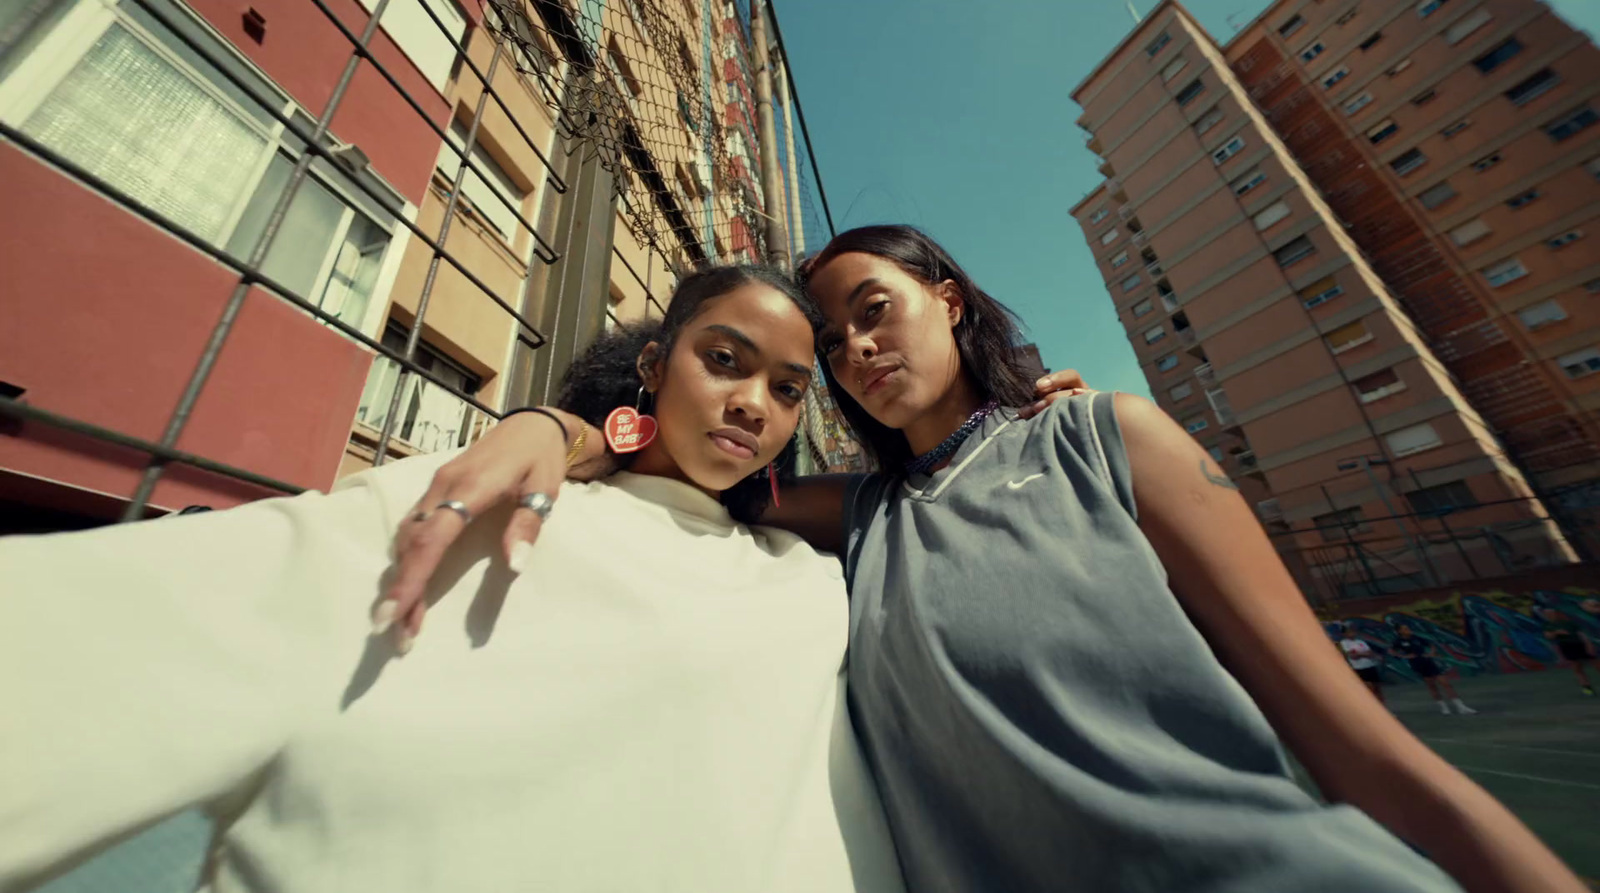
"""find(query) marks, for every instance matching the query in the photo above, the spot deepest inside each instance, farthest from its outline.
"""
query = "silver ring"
(457, 506)
(538, 503)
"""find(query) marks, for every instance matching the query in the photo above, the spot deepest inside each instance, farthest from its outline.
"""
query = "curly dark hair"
(606, 375)
(986, 336)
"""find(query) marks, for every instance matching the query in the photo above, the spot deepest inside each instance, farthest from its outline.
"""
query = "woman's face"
(728, 397)
(889, 339)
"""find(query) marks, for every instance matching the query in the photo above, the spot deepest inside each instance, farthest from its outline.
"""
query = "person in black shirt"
(1419, 653)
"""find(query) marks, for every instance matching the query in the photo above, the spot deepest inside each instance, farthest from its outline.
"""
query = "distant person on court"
(1418, 652)
(1363, 660)
(1570, 643)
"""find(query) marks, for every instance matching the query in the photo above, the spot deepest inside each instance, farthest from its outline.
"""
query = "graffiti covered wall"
(1486, 626)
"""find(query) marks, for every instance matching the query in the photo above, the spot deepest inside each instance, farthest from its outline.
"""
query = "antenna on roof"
(1133, 12)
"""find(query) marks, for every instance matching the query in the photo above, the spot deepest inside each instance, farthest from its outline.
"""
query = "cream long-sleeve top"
(655, 704)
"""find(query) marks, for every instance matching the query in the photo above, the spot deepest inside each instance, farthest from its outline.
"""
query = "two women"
(653, 704)
(1008, 577)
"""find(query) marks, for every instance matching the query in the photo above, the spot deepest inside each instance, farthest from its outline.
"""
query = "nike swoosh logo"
(1018, 485)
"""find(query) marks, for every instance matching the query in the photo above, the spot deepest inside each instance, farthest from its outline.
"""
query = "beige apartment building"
(1348, 248)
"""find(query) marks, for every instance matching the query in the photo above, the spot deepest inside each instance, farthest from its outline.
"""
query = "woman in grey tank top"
(1012, 569)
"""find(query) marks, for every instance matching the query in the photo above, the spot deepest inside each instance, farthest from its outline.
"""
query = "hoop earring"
(631, 430)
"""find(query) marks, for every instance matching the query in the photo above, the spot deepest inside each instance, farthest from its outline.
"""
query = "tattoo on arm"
(1218, 478)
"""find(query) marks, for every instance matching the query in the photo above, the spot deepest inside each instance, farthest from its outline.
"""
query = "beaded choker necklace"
(926, 462)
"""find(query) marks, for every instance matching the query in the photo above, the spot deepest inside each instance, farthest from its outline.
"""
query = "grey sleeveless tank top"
(1040, 713)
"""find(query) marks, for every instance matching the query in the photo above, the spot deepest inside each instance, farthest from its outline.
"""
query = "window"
(1467, 24)
(1428, 7)
(1436, 195)
(1456, 128)
(498, 201)
(1155, 45)
(1232, 148)
(1109, 236)
(1311, 52)
(622, 71)
(1099, 215)
(1216, 454)
(1425, 97)
(1347, 336)
(1334, 525)
(1593, 167)
(1154, 334)
(1271, 214)
(1592, 286)
(124, 98)
(1247, 181)
(1486, 162)
(1378, 385)
(1347, 17)
(1173, 67)
(1119, 260)
(1167, 363)
(1442, 498)
(1540, 83)
(431, 418)
(409, 26)
(1385, 129)
(1565, 239)
(1541, 314)
(1190, 91)
(1320, 292)
(1196, 424)
(1130, 283)
(1571, 124)
(1357, 104)
(1294, 24)
(1496, 57)
(1334, 77)
(1371, 41)
(1522, 200)
(1408, 162)
(1469, 232)
(1208, 120)
(1179, 393)
(1297, 250)
(1395, 69)
(1414, 439)
(1580, 363)
(1142, 308)
(1504, 272)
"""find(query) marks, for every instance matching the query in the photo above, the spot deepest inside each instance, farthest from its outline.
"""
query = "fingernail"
(383, 616)
(405, 643)
(1043, 382)
(519, 556)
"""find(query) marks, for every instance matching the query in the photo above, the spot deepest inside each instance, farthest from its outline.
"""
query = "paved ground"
(1535, 744)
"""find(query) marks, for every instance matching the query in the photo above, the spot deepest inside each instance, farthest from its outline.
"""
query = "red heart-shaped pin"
(629, 432)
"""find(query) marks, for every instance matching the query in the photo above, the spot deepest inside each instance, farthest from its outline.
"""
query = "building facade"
(1299, 299)
(253, 250)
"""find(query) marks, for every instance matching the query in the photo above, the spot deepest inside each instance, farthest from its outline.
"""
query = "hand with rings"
(523, 459)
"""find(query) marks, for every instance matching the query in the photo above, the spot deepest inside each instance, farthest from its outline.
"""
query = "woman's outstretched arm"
(1238, 593)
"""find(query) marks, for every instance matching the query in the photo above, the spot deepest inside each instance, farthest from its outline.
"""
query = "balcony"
(1094, 144)
(431, 418)
(1154, 269)
(1269, 510)
(1169, 302)
(1206, 377)
(1220, 405)
(1188, 337)
(1105, 168)
(1247, 462)
(1140, 239)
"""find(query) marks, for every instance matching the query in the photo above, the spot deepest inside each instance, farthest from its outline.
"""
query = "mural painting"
(1475, 632)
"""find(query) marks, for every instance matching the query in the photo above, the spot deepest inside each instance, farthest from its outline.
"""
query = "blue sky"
(956, 117)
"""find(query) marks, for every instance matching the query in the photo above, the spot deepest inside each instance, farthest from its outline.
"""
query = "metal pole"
(381, 451)
(771, 180)
(1355, 550)
(1426, 566)
(805, 132)
(1445, 526)
(235, 302)
(797, 226)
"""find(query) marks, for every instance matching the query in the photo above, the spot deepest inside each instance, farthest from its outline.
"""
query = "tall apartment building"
(145, 144)
(1347, 248)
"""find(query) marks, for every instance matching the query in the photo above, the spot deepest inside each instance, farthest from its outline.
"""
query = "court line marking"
(1556, 781)
(1573, 753)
